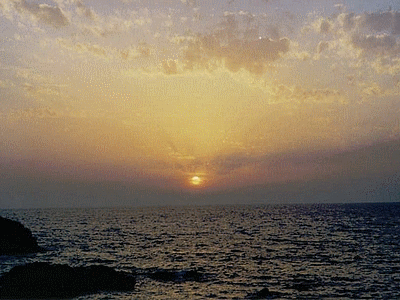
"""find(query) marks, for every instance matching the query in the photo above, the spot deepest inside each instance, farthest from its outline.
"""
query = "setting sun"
(196, 180)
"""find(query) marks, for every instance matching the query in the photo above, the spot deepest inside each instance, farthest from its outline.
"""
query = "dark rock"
(265, 293)
(302, 286)
(43, 280)
(15, 238)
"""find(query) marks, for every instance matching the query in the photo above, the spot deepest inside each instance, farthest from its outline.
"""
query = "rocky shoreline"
(41, 280)
(16, 239)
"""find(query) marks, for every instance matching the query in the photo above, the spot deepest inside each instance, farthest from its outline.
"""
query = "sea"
(310, 251)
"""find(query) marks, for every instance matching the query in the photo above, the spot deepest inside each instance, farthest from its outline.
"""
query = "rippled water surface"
(301, 251)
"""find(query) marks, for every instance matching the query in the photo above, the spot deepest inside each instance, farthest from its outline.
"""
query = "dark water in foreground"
(302, 251)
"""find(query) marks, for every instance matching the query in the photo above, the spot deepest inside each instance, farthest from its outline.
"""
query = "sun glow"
(196, 180)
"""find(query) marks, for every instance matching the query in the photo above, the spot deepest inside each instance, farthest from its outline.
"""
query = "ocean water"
(338, 251)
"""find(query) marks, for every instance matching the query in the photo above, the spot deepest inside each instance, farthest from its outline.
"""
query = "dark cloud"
(383, 21)
(274, 32)
(374, 33)
(49, 15)
(225, 164)
(396, 23)
(370, 159)
(325, 27)
(375, 43)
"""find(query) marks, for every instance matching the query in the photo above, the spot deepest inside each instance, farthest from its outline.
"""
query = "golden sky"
(198, 96)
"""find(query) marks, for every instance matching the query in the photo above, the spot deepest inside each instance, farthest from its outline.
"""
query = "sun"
(196, 180)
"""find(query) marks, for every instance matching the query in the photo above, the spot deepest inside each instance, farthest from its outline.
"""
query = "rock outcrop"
(44, 280)
(15, 238)
(265, 293)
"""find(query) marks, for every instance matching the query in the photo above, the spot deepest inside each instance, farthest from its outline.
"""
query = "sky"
(140, 102)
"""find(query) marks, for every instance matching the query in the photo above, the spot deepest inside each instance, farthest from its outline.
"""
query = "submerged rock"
(304, 283)
(15, 238)
(43, 280)
(265, 293)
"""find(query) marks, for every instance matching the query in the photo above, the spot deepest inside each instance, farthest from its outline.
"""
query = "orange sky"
(238, 93)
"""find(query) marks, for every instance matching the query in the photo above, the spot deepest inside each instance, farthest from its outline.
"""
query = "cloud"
(107, 25)
(389, 20)
(297, 94)
(31, 75)
(387, 66)
(276, 163)
(50, 15)
(383, 155)
(225, 164)
(373, 33)
(322, 46)
(323, 26)
(6, 84)
(84, 11)
(143, 50)
(375, 44)
(33, 113)
(38, 85)
(348, 21)
(42, 90)
(374, 90)
(189, 2)
(253, 56)
(364, 40)
(95, 50)
(234, 43)
(312, 164)
(170, 67)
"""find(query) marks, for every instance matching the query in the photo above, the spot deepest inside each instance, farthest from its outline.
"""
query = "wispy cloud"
(95, 50)
(85, 11)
